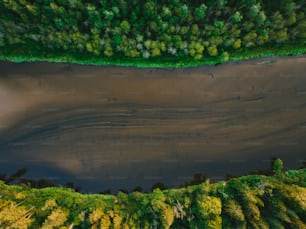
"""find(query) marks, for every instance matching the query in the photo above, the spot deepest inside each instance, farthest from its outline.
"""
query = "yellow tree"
(14, 216)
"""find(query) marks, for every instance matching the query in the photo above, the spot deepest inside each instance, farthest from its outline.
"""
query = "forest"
(168, 32)
(253, 201)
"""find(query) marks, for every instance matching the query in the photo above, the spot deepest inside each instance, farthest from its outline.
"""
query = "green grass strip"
(21, 53)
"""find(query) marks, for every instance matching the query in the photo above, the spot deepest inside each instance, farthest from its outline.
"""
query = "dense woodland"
(152, 29)
(253, 201)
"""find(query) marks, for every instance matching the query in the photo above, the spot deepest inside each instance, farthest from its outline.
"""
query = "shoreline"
(142, 63)
(265, 60)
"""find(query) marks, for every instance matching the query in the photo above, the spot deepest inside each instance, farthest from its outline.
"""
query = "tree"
(212, 50)
(166, 12)
(261, 18)
(225, 56)
(176, 40)
(289, 7)
(171, 29)
(150, 9)
(108, 15)
(199, 12)
(105, 221)
(277, 166)
(164, 211)
(98, 218)
(210, 210)
(14, 216)
(279, 36)
(184, 11)
(116, 11)
(236, 17)
(235, 213)
(262, 38)
(237, 44)
(276, 223)
(221, 3)
(291, 19)
(162, 46)
(195, 50)
(156, 52)
(125, 26)
(184, 30)
(300, 29)
(277, 20)
(250, 39)
(195, 29)
(108, 51)
(117, 220)
(57, 218)
(254, 10)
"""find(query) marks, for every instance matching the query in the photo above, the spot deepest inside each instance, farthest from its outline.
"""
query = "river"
(120, 127)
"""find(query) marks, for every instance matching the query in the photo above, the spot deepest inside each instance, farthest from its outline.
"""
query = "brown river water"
(122, 127)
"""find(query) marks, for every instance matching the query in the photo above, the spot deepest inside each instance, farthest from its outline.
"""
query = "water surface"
(118, 127)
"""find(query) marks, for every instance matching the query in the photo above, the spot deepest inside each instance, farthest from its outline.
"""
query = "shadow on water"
(20, 178)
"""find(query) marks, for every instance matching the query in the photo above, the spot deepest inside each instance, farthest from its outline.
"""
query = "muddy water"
(118, 128)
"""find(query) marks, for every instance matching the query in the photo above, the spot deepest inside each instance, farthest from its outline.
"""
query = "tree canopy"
(246, 202)
(177, 28)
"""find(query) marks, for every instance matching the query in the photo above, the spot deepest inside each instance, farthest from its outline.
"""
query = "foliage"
(252, 201)
(210, 210)
(277, 166)
(56, 219)
(14, 216)
(175, 33)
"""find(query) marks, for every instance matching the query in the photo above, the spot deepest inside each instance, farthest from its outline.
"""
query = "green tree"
(277, 20)
(237, 44)
(150, 10)
(277, 166)
(199, 12)
(108, 15)
(261, 18)
(300, 29)
(236, 17)
(225, 56)
(195, 50)
(184, 11)
(254, 10)
(250, 39)
(166, 12)
(156, 52)
(125, 26)
(108, 51)
(195, 30)
(164, 211)
(212, 51)
(291, 19)
(279, 36)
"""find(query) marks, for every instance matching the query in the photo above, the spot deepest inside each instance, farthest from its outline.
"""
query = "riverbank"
(268, 51)
(273, 202)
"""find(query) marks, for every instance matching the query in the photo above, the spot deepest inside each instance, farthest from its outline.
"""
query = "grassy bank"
(19, 55)
(252, 201)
